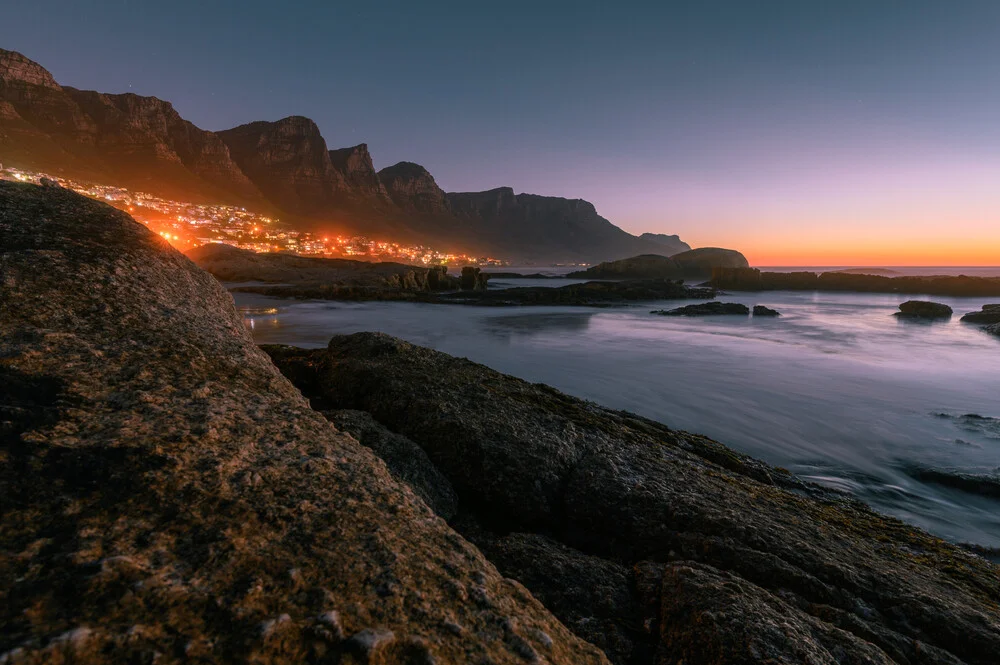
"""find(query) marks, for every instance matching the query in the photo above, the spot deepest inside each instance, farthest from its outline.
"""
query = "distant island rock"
(762, 310)
(884, 272)
(753, 279)
(693, 263)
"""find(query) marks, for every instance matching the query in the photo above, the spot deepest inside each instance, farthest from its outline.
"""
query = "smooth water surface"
(837, 390)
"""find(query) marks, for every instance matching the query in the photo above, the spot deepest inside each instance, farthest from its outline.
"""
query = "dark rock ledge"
(661, 546)
(166, 496)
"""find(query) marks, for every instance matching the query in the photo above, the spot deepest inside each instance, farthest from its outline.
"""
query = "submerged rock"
(707, 309)
(762, 310)
(988, 314)
(167, 494)
(923, 309)
(659, 545)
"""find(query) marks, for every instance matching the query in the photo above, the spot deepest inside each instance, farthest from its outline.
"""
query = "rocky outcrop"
(474, 279)
(763, 311)
(751, 279)
(169, 496)
(988, 314)
(664, 546)
(923, 309)
(694, 263)
(413, 189)
(231, 264)
(713, 308)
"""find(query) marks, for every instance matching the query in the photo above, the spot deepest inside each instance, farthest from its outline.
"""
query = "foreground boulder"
(707, 309)
(167, 496)
(658, 545)
(988, 314)
(922, 309)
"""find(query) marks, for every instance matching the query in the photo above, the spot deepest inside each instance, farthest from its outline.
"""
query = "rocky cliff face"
(414, 190)
(288, 161)
(657, 545)
(359, 175)
(169, 497)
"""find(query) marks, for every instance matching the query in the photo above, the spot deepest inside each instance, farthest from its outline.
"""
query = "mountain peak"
(15, 67)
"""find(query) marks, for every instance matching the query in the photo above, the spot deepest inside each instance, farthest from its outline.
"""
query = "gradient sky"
(799, 131)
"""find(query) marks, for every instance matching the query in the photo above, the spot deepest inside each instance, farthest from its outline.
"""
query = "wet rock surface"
(707, 309)
(659, 545)
(169, 497)
(923, 309)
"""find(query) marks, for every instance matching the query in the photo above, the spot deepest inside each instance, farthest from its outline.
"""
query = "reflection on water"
(836, 389)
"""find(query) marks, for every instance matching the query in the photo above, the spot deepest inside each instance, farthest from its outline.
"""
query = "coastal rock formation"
(993, 329)
(170, 497)
(707, 309)
(474, 279)
(762, 310)
(752, 279)
(659, 545)
(694, 263)
(350, 278)
(923, 309)
(597, 294)
(988, 314)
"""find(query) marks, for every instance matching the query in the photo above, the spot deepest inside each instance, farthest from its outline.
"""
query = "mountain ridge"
(286, 166)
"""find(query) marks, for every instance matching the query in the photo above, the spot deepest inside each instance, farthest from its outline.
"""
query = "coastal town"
(188, 225)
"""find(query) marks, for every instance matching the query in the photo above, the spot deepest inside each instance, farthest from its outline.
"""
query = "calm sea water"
(837, 389)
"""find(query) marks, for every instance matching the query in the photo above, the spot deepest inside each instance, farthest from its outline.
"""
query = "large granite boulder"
(167, 496)
(660, 545)
(692, 263)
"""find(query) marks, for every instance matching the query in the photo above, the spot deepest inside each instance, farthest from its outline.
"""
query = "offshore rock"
(168, 496)
(693, 263)
(707, 309)
(988, 314)
(587, 294)
(762, 310)
(474, 279)
(660, 545)
(923, 309)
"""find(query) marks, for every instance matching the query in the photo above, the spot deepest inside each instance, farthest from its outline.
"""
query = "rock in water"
(922, 309)
(474, 279)
(167, 494)
(707, 309)
(761, 310)
(989, 314)
(664, 546)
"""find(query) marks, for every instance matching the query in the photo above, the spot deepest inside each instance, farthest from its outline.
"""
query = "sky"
(801, 132)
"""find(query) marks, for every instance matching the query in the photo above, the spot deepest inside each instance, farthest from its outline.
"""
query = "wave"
(980, 484)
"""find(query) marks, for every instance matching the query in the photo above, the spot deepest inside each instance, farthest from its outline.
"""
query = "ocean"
(903, 415)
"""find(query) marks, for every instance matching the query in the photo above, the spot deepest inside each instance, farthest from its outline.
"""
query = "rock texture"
(694, 263)
(414, 189)
(659, 545)
(362, 183)
(923, 309)
(763, 310)
(169, 497)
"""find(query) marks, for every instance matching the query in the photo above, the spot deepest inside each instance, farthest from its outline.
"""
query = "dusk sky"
(798, 131)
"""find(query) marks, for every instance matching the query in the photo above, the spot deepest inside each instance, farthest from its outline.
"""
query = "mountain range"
(285, 167)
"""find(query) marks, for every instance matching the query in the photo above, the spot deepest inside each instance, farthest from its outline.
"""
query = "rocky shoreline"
(169, 496)
(752, 279)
